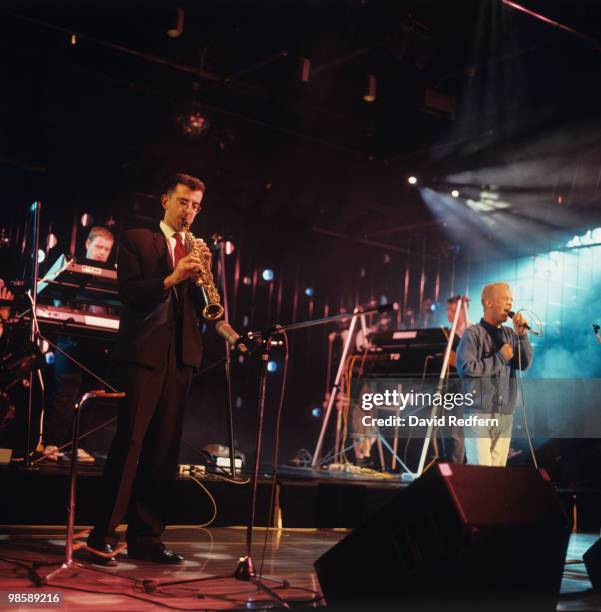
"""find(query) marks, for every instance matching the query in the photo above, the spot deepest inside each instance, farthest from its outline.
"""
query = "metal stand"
(219, 243)
(462, 305)
(35, 211)
(358, 316)
(69, 563)
(245, 570)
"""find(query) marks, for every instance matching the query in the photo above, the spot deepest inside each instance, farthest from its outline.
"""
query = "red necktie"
(179, 250)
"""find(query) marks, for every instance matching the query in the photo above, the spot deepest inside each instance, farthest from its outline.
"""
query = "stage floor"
(209, 552)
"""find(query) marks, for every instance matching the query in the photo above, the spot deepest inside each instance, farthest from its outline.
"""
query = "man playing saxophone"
(159, 347)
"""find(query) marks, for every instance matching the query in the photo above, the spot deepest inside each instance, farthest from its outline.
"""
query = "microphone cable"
(539, 331)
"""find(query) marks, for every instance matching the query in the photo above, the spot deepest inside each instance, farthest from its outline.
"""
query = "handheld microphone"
(511, 314)
(225, 330)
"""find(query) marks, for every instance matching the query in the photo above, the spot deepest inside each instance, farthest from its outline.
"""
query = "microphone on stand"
(511, 314)
(225, 330)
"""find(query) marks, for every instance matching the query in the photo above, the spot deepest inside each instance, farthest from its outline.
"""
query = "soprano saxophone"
(213, 309)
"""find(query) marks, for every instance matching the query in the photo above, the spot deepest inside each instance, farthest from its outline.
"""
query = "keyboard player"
(70, 380)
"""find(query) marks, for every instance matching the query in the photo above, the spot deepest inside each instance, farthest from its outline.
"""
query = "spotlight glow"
(412, 180)
(267, 275)
(272, 366)
(309, 292)
(455, 193)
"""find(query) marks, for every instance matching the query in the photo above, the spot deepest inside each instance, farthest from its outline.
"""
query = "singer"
(487, 359)
(159, 347)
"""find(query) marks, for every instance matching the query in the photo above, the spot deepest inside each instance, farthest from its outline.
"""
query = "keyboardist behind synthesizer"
(69, 379)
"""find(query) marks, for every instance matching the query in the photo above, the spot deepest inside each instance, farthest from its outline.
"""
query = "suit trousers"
(142, 463)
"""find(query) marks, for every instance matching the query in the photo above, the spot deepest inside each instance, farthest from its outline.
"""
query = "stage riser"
(39, 498)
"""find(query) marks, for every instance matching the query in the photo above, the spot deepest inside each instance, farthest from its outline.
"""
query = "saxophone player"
(159, 346)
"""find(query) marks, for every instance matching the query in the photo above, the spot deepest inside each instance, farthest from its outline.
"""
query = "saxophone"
(213, 309)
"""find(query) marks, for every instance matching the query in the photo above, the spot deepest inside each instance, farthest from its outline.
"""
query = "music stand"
(69, 563)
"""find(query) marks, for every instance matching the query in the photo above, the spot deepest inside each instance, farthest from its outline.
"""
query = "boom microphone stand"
(219, 245)
(245, 570)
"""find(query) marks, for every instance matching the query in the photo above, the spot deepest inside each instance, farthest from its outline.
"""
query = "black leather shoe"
(156, 554)
(101, 559)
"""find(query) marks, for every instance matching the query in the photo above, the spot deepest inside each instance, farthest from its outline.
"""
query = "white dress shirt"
(169, 234)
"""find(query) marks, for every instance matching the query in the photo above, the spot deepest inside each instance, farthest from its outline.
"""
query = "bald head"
(497, 299)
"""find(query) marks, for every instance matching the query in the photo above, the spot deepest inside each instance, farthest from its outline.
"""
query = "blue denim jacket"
(486, 373)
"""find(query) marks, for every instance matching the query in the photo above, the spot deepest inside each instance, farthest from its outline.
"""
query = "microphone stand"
(245, 570)
(34, 334)
(219, 244)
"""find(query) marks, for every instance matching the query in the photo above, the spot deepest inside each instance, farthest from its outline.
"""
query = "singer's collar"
(168, 230)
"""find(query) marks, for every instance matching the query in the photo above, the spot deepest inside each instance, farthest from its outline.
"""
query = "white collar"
(168, 230)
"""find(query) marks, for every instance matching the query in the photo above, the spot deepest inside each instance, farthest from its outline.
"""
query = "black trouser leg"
(157, 469)
(143, 388)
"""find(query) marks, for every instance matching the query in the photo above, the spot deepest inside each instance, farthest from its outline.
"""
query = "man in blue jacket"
(487, 359)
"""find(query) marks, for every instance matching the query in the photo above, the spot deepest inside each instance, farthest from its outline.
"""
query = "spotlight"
(73, 39)
(229, 247)
(247, 280)
(239, 402)
(176, 27)
(86, 220)
(245, 321)
(455, 193)
(316, 412)
(43, 345)
(41, 256)
(272, 366)
(370, 92)
(49, 356)
(412, 180)
(267, 275)
(309, 292)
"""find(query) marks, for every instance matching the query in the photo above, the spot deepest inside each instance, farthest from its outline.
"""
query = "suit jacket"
(150, 314)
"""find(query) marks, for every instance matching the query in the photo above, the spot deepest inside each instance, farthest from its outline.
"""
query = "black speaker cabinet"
(473, 536)
(592, 560)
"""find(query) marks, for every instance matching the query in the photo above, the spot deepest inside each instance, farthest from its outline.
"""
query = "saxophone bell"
(213, 309)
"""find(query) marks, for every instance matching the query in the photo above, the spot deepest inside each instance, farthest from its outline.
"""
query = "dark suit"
(159, 346)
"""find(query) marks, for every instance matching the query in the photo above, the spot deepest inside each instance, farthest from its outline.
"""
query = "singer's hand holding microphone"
(520, 323)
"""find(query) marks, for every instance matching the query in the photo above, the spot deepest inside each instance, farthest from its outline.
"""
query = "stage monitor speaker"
(592, 560)
(474, 536)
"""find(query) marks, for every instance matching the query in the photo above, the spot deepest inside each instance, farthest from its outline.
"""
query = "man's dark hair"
(184, 179)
